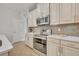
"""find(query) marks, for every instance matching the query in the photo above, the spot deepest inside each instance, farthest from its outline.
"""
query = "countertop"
(6, 45)
(64, 37)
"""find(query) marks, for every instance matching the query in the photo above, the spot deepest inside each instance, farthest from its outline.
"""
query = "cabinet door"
(34, 17)
(77, 13)
(67, 51)
(73, 13)
(44, 9)
(66, 13)
(54, 14)
(27, 42)
(30, 19)
(31, 42)
(53, 49)
(39, 10)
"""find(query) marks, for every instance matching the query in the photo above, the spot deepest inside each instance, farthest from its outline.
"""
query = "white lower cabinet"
(68, 51)
(53, 49)
(69, 48)
(57, 47)
(4, 54)
(29, 40)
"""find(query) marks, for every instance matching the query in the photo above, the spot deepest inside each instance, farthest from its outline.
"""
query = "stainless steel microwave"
(43, 20)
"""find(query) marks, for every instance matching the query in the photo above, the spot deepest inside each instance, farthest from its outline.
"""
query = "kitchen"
(47, 29)
(60, 28)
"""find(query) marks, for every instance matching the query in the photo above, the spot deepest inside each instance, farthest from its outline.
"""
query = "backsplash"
(68, 29)
(40, 28)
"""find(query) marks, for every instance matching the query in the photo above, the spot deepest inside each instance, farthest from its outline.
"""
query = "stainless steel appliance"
(40, 43)
(43, 20)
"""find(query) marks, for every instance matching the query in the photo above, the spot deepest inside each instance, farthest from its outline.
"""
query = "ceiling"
(18, 6)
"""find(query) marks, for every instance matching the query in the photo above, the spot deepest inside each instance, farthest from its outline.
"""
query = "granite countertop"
(6, 45)
(64, 37)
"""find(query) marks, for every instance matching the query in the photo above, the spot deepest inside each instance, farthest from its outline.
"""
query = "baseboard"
(17, 41)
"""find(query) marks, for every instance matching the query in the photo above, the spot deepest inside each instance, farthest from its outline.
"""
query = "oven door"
(40, 45)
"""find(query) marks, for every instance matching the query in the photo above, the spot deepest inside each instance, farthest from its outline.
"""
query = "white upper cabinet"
(77, 13)
(73, 12)
(30, 19)
(39, 10)
(54, 14)
(62, 13)
(33, 15)
(43, 9)
(66, 13)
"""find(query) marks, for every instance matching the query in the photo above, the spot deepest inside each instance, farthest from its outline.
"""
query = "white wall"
(12, 24)
(19, 28)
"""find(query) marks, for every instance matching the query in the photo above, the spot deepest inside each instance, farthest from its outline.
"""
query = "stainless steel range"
(40, 43)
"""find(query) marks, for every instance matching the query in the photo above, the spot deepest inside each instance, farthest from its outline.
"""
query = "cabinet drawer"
(53, 40)
(70, 44)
